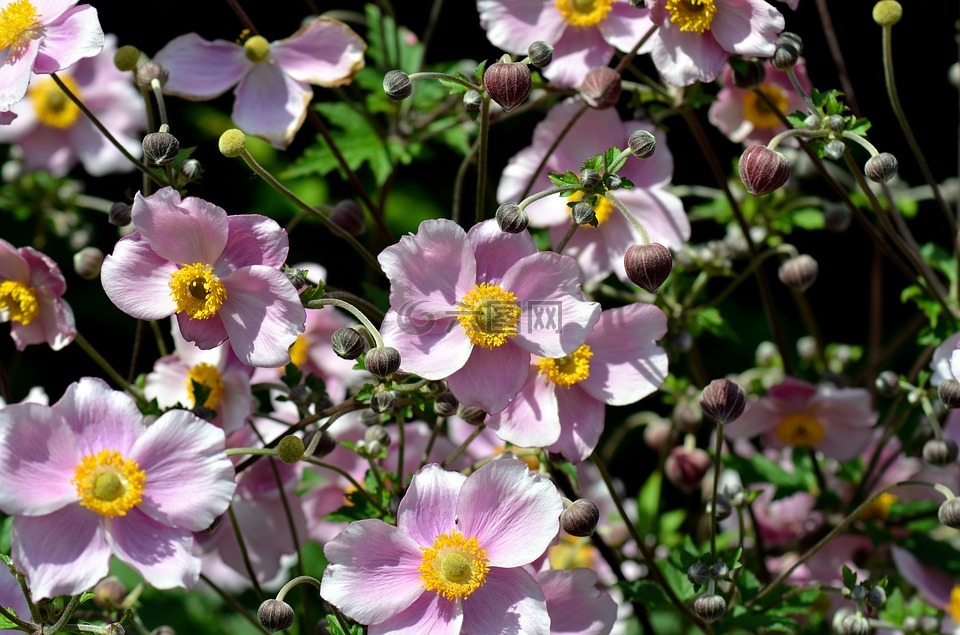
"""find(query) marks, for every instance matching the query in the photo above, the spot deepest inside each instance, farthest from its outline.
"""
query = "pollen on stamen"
(489, 315)
(583, 13)
(18, 301)
(209, 377)
(800, 430)
(197, 291)
(109, 484)
(455, 566)
(51, 105)
(18, 21)
(692, 15)
(757, 111)
(567, 371)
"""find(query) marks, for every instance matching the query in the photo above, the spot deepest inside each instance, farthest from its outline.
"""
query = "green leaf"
(648, 503)
(849, 578)
(645, 592)
(333, 627)
(759, 469)
(560, 180)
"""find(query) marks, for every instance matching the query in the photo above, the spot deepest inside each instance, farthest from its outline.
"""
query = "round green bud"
(290, 449)
(233, 143)
(126, 57)
(887, 12)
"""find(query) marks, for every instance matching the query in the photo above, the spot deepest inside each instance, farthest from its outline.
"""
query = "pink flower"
(55, 135)
(599, 250)
(86, 478)
(454, 562)
(562, 403)
(273, 78)
(696, 37)
(938, 588)
(576, 603)
(583, 35)
(220, 274)
(745, 117)
(835, 421)
(12, 596)
(471, 308)
(43, 36)
(30, 288)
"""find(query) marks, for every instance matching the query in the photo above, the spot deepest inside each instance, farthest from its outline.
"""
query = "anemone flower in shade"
(273, 78)
(11, 596)
(31, 287)
(471, 308)
(87, 478)
(55, 135)
(835, 421)
(454, 562)
(583, 34)
(562, 403)
(225, 377)
(939, 589)
(42, 36)
(745, 117)
(220, 274)
(599, 250)
(696, 38)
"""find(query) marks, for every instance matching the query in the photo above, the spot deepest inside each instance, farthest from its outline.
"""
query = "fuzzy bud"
(887, 383)
(507, 83)
(685, 468)
(855, 625)
(324, 445)
(382, 401)
(589, 178)
(297, 277)
(232, 143)
(877, 597)
(763, 170)
(698, 573)
(642, 143)
(383, 361)
(397, 85)
(710, 607)
(949, 513)
(511, 218)
(788, 37)
(120, 214)
(723, 401)
(275, 615)
(347, 343)
(647, 266)
(348, 216)
(724, 507)
(377, 433)
(472, 100)
(949, 392)
(126, 58)
(940, 452)
(720, 570)
(109, 593)
(540, 54)
(611, 182)
(749, 75)
(160, 148)
(836, 123)
(445, 405)
(834, 149)
(149, 71)
(881, 168)
(601, 87)
(87, 261)
(799, 272)
(789, 47)
(580, 518)
(887, 12)
(191, 170)
(290, 449)
(471, 414)
(583, 214)
(836, 217)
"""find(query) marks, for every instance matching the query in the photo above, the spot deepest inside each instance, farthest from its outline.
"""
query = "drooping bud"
(126, 58)
(698, 573)
(290, 449)
(87, 262)
(120, 214)
(540, 54)
(642, 143)
(382, 401)
(710, 607)
(109, 593)
(397, 85)
(836, 217)
(612, 181)
(347, 343)
(149, 71)
(834, 149)
(445, 405)
(511, 218)
(472, 100)
(647, 266)
(191, 170)
(377, 433)
(232, 143)
(887, 12)
(589, 178)
(325, 444)
(160, 148)
(507, 83)
(749, 74)
(949, 513)
(685, 468)
(583, 214)
(580, 518)
(275, 615)
(297, 277)
(383, 361)
(720, 570)
(601, 87)
(877, 597)
(348, 216)
(855, 625)
(881, 168)
(724, 507)
(799, 272)
(723, 401)
(763, 170)
(940, 451)
(887, 383)
(789, 47)
(949, 392)
(471, 414)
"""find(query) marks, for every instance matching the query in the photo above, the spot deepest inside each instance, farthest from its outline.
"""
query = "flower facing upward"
(471, 308)
(30, 288)
(273, 78)
(220, 274)
(90, 477)
(454, 562)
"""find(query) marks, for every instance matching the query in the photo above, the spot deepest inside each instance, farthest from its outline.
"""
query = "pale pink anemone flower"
(938, 588)
(43, 37)
(55, 135)
(218, 370)
(562, 404)
(87, 478)
(584, 35)
(31, 287)
(454, 562)
(576, 602)
(744, 117)
(696, 37)
(273, 78)
(835, 421)
(11, 597)
(945, 364)
(220, 274)
(599, 250)
(472, 307)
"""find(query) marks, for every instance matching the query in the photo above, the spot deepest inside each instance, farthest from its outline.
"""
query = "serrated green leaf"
(849, 578)
(564, 179)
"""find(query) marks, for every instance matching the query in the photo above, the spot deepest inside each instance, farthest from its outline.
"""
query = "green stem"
(444, 76)
(68, 611)
(245, 555)
(627, 214)
(553, 147)
(303, 579)
(482, 151)
(352, 480)
(716, 485)
(346, 306)
(571, 230)
(545, 193)
(108, 369)
(463, 446)
(230, 601)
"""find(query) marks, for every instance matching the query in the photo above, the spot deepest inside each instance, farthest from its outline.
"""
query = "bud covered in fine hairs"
(580, 518)
(511, 218)
(612, 181)
(763, 170)
(290, 449)
(710, 607)
(855, 625)
(949, 392)
(397, 85)
(799, 272)
(275, 615)
(698, 573)
(940, 452)
(347, 343)
(601, 87)
(724, 507)
(834, 149)
(723, 401)
(887, 383)
(348, 216)
(642, 143)
(789, 47)
(589, 178)
(120, 214)
(232, 143)
(472, 100)
(949, 513)
(191, 170)
(160, 148)
(507, 83)
(471, 414)
(647, 266)
(87, 262)
(540, 54)
(887, 12)
(445, 405)
(383, 361)
(881, 168)
(149, 71)
(126, 58)
(383, 401)
(325, 444)
(877, 597)
(583, 214)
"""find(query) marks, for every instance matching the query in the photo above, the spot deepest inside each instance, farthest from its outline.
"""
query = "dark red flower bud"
(508, 83)
(723, 401)
(647, 266)
(685, 468)
(601, 87)
(763, 170)
(798, 272)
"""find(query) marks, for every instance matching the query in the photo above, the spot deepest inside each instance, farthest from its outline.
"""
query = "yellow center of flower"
(208, 377)
(954, 607)
(603, 208)
(566, 371)
(581, 13)
(692, 15)
(489, 315)
(108, 483)
(800, 430)
(880, 508)
(571, 553)
(18, 301)
(52, 105)
(18, 22)
(256, 48)
(454, 567)
(197, 291)
(298, 352)
(757, 111)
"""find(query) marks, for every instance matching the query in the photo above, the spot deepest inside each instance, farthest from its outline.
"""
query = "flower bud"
(126, 58)
(763, 170)
(887, 12)
(656, 434)
(685, 468)
(642, 143)
(540, 53)
(149, 71)
(290, 449)
(750, 74)
(445, 405)
(472, 100)
(163, 630)
(583, 214)
(785, 56)
(232, 143)
(949, 392)
(191, 170)
(383, 361)
(580, 518)
(347, 343)
(611, 182)
(160, 148)
(698, 573)
(798, 272)
(120, 214)
(383, 401)
(724, 507)
(377, 433)
(511, 218)
(710, 607)
(887, 383)
(788, 37)
(836, 123)
(601, 87)
(881, 168)
(834, 149)
(109, 593)
(949, 513)
(720, 570)
(940, 452)
(397, 85)
(836, 217)
(507, 83)
(87, 261)
(325, 444)
(297, 277)
(877, 597)
(348, 216)
(275, 615)
(647, 266)
(723, 401)
(471, 414)
(855, 625)
(589, 178)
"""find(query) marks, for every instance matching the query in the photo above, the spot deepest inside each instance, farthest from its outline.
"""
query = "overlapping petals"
(31, 290)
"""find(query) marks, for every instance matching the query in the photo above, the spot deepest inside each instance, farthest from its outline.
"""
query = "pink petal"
(184, 231)
(759, 416)
(662, 215)
(253, 239)
(428, 509)
(746, 27)
(137, 280)
(236, 404)
(581, 423)
(514, 180)
(512, 25)
(431, 613)
(531, 420)
(510, 601)
(167, 382)
(72, 36)
(513, 512)
(574, 54)
(433, 349)
(15, 73)
(200, 69)
(12, 264)
(684, 57)
(98, 155)
(55, 325)
(599, 252)
(323, 52)
(491, 377)
(575, 602)
(161, 554)
(935, 585)
(101, 418)
(496, 250)
(205, 334)
(270, 104)
(44, 272)
(626, 25)
(47, 149)
(373, 573)
(11, 596)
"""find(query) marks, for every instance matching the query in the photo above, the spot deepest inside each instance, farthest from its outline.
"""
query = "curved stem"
(346, 306)
(553, 147)
(445, 76)
(544, 194)
(245, 554)
(627, 214)
(303, 579)
(463, 446)
(352, 480)
(68, 611)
